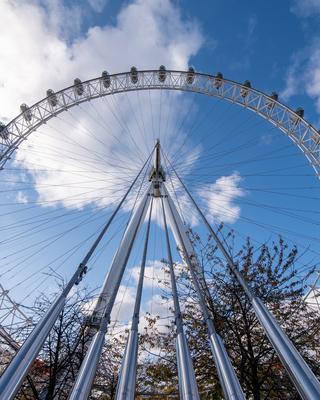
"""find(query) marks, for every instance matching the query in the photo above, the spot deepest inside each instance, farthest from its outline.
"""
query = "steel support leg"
(300, 373)
(187, 380)
(121, 257)
(127, 384)
(181, 237)
(228, 379)
(82, 387)
(15, 373)
(127, 377)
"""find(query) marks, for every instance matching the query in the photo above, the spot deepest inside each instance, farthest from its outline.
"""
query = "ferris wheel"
(154, 175)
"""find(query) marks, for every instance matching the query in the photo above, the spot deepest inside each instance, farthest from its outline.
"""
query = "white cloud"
(155, 306)
(21, 198)
(156, 274)
(304, 74)
(306, 8)
(158, 305)
(160, 308)
(292, 84)
(98, 5)
(219, 198)
(123, 306)
(183, 204)
(313, 74)
(36, 55)
(64, 19)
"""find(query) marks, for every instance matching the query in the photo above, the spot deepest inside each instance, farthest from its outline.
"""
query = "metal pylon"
(228, 379)
(12, 378)
(301, 375)
(227, 376)
(127, 377)
(299, 372)
(187, 381)
(103, 308)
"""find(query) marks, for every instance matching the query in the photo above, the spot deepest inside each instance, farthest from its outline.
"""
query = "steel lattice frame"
(305, 136)
(12, 318)
(302, 133)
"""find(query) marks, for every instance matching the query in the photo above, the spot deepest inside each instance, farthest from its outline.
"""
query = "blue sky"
(259, 41)
(273, 44)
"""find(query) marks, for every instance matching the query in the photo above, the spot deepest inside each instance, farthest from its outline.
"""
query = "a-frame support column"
(120, 259)
(102, 312)
(180, 234)
(300, 373)
(187, 381)
(13, 376)
(228, 379)
(127, 377)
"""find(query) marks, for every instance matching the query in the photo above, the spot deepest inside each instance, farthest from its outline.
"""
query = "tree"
(55, 369)
(273, 276)
(271, 271)
(157, 373)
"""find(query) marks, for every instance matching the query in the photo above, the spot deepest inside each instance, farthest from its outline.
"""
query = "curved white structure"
(292, 123)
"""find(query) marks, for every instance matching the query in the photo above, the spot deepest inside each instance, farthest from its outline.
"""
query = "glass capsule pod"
(190, 76)
(245, 89)
(162, 74)
(134, 75)
(218, 80)
(3, 131)
(52, 98)
(299, 113)
(78, 87)
(106, 79)
(25, 110)
(271, 102)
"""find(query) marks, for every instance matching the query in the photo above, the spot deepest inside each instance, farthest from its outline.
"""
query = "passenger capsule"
(106, 79)
(270, 102)
(274, 96)
(3, 131)
(78, 87)
(162, 74)
(245, 89)
(218, 80)
(25, 110)
(134, 75)
(52, 98)
(190, 76)
(298, 113)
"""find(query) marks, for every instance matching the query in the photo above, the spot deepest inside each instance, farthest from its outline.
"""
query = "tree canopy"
(272, 273)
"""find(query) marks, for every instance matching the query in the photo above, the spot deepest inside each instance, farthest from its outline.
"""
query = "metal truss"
(12, 320)
(312, 298)
(292, 123)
